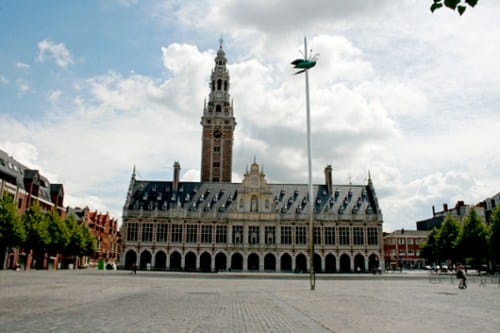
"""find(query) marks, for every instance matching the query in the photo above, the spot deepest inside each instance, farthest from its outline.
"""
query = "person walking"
(461, 276)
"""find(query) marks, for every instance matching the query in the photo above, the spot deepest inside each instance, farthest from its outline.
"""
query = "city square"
(119, 301)
(295, 210)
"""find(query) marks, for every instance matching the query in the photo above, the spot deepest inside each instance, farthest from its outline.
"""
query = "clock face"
(217, 133)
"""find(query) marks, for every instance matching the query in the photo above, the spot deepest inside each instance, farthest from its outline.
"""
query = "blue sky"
(88, 89)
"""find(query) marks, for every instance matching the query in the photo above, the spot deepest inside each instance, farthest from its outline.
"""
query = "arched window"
(219, 84)
(225, 85)
(254, 204)
(213, 84)
(218, 108)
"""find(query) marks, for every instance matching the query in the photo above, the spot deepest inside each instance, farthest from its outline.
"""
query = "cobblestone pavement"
(117, 301)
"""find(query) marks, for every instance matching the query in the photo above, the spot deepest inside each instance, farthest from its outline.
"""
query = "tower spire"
(218, 124)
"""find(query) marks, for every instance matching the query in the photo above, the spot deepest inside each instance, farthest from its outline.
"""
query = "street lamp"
(304, 65)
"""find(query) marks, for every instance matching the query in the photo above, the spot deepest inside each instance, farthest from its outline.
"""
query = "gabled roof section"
(290, 201)
(20, 175)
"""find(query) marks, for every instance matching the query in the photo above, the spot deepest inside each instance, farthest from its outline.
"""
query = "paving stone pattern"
(109, 301)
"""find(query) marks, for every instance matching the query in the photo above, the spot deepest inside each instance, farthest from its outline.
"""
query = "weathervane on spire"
(305, 63)
(221, 41)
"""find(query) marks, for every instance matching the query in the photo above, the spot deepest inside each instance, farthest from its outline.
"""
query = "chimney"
(445, 207)
(328, 178)
(177, 172)
(433, 211)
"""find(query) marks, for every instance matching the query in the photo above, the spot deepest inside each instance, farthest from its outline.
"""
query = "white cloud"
(22, 86)
(404, 94)
(49, 50)
(4, 80)
(54, 95)
(23, 66)
(24, 152)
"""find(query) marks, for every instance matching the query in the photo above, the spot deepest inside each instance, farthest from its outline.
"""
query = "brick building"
(402, 249)
(252, 225)
(27, 186)
(105, 230)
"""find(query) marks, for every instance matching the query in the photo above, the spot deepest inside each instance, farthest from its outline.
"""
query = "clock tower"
(218, 126)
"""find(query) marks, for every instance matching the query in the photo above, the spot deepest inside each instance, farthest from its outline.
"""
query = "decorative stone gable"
(254, 195)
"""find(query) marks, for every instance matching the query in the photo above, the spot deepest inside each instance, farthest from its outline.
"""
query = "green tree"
(448, 238)
(81, 241)
(37, 233)
(459, 5)
(494, 236)
(12, 231)
(89, 247)
(473, 238)
(429, 249)
(59, 233)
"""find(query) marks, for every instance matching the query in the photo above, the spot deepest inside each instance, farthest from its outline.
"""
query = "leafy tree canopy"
(448, 238)
(37, 234)
(12, 232)
(459, 5)
(429, 249)
(58, 231)
(473, 239)
(494, 235)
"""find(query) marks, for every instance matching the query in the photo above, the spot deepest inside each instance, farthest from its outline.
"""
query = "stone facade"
(215, 225)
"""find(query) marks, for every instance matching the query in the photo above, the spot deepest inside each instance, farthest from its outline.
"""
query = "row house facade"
(105, 230)
(27, 186)
(402, 249)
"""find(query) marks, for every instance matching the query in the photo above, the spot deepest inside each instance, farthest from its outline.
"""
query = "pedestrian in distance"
(461, 276)
(134, 269)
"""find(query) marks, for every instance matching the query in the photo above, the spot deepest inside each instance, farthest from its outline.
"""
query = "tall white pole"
(312, 277)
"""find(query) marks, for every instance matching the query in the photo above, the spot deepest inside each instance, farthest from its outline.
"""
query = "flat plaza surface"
(118, 301)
